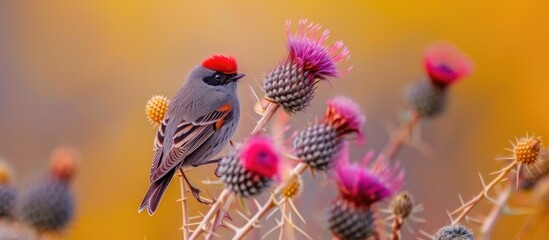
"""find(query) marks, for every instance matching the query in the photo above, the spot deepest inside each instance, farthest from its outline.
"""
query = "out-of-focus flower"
(402, 205)
(446, 64)
(317, 144)
(365, 183)
(292, 83)
(294, 189)
(249, 168)
(427, 99)
(347, 222)
(8, 194)
(49, 205)
(454, 232)
(156, 108)
(64, 162)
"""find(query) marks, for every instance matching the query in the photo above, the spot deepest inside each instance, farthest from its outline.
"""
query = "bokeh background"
(80, 72)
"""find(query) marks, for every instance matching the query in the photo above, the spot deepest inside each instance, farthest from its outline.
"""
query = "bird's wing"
(157, 146)
(187, 138)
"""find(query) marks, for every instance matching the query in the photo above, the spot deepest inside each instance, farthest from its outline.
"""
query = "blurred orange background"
(80, 72)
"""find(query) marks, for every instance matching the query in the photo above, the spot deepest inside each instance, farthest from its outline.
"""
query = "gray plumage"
(200, 121)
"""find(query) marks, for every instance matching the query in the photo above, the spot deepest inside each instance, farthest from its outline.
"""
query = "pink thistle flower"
(345, 115)
(366, 183)
(260, 156)
(307, 50)
(292, 83)
(446, 64)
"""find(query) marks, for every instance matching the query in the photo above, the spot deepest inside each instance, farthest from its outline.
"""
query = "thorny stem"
(211, 213)
(399, 137)
(251, 222)
(218, 221)
(466, 208)
(296, 171)
(490, 220)
(184, 208)
(397, 225)
(270, 110)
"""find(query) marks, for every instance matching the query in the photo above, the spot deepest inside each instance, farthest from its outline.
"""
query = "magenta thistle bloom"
(364, 184)
(307, 50)
(446, 64)
(292, 83)
(259, 155)
(345, 115)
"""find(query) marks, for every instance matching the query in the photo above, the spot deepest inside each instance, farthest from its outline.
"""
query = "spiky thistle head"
(346, 117)
(294, 189)
(527, 150)
(292, 83)
(454, 232)
(347, 222)
(445, 64)
(426, 98)
(402, 205)
(249, 168)
(64, 163)
(366, 183)
(156, 108)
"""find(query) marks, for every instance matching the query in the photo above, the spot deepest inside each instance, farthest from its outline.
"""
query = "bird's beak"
(236, 77)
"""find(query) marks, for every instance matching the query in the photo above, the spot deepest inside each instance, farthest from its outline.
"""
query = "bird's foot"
(196, 194)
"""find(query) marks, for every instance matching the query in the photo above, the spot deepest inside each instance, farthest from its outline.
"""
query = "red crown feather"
(221, 63)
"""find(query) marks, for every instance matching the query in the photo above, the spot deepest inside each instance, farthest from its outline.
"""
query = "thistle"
(454, 232)
(347, 222)
(292, 83)
(156, 108)
(360, 186)
(8, 194)
(318, 144)
(445, 65)
(366, 183)
(249, 168)
(49, 205)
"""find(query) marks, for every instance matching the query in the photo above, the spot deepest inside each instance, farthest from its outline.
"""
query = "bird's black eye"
(218, 76)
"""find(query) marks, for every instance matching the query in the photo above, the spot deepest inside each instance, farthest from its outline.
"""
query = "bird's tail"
(154, 194)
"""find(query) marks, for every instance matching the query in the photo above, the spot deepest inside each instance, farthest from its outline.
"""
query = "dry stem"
(467, 207)
(399, 137)
(490, 220)
(184, 208)
(397, 225)
(297, 170)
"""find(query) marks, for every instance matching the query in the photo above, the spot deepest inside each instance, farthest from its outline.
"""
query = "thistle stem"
(184, 208)
(297, 170)
(490, 220)
(399, 137)
(466, 208)
(270, 110)
(211, 213)
(397, 225)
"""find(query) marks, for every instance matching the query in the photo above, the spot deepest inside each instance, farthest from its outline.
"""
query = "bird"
(201, 119)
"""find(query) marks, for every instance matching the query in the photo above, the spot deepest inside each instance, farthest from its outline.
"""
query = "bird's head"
(217, 71)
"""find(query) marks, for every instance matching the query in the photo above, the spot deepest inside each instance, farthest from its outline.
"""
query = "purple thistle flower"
(446, 64)
(259, 155)
(292, 83)
(366, 183)
(307, 50)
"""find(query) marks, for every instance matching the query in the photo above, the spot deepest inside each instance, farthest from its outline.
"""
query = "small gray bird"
(201, 119)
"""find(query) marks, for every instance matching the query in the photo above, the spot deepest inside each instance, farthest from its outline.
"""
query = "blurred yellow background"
(80, 72)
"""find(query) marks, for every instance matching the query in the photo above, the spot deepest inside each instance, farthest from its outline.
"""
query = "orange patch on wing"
(219, 123)
(224, 108)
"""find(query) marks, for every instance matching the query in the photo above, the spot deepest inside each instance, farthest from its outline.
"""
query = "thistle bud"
(156, 108)
(347, 222)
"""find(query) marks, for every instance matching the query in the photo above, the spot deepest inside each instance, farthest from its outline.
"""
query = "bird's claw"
(196, 194)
